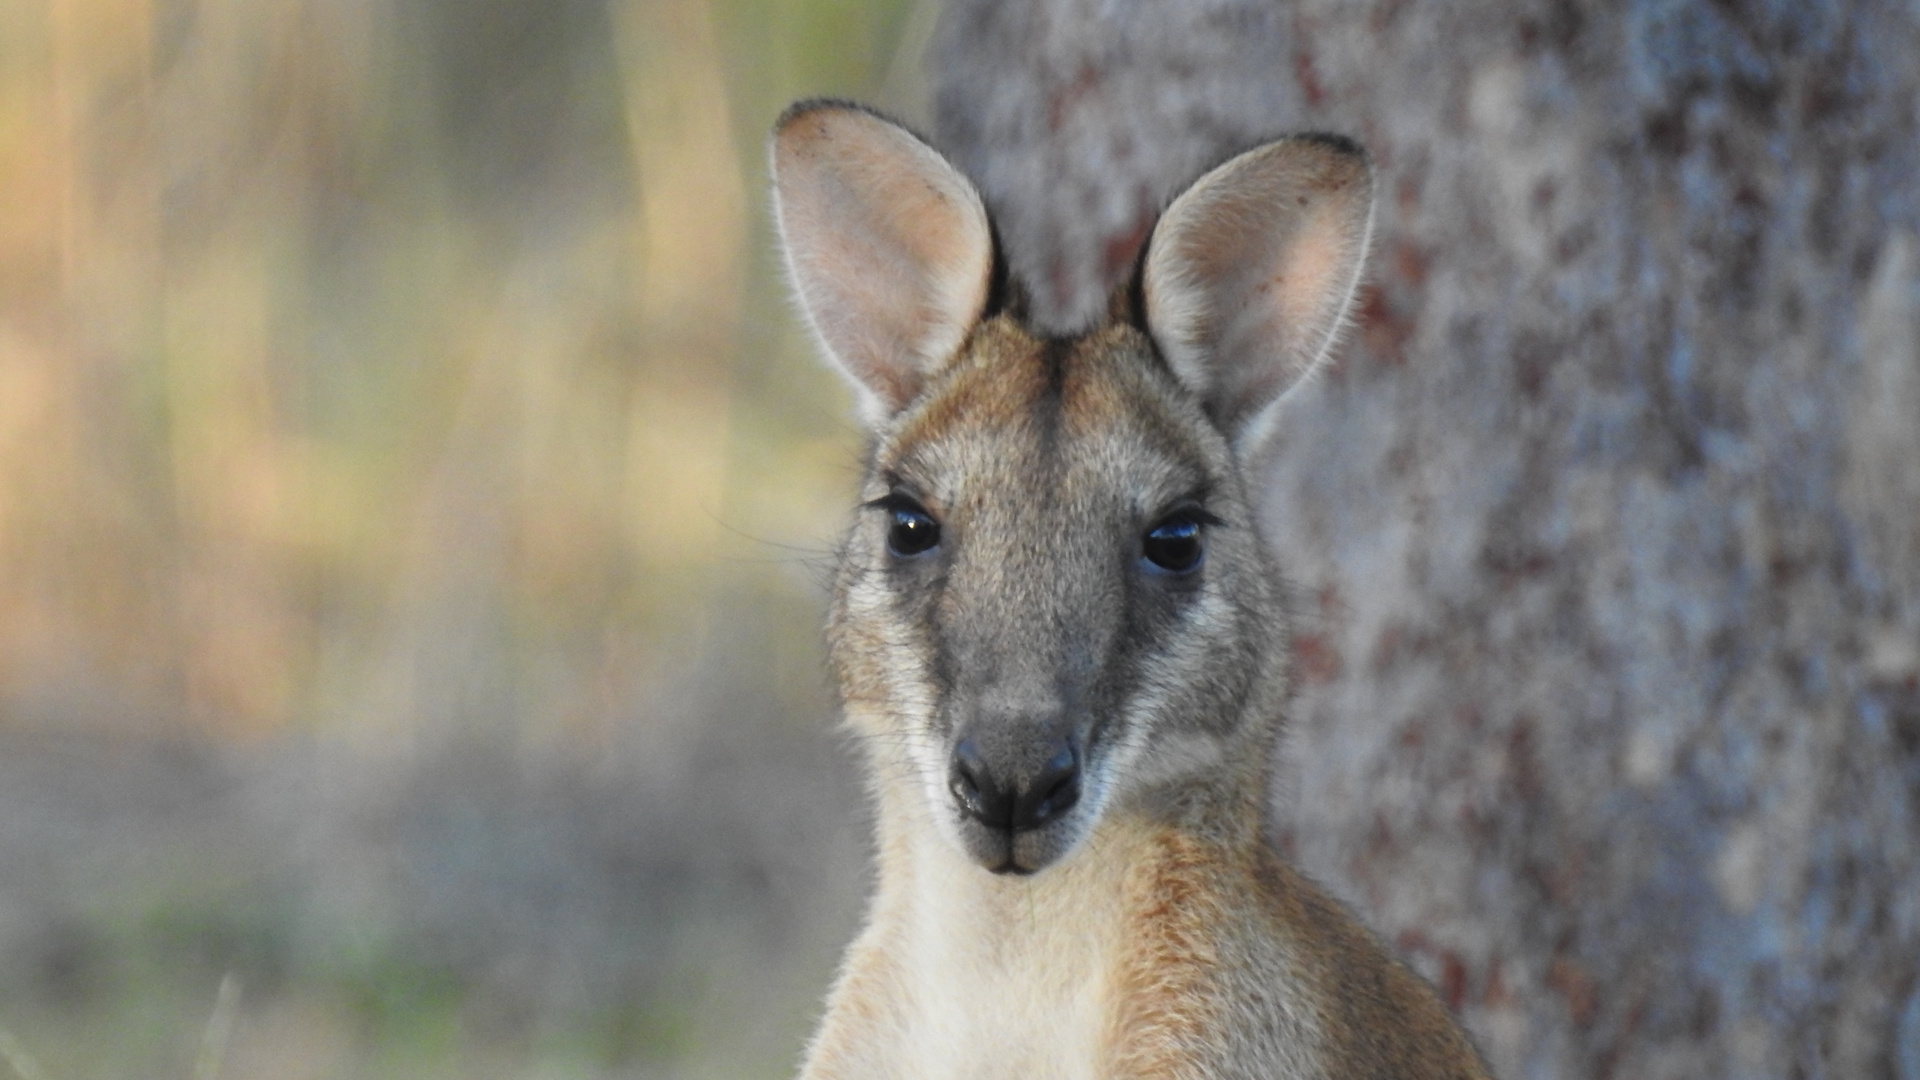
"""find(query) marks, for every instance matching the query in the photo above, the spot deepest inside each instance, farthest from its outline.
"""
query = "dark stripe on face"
(1049, 405)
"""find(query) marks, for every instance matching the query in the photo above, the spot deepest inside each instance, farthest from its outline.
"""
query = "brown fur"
(1150, 930)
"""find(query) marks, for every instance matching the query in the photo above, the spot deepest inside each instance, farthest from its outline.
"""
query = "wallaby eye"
(911, 530)
(1174, 545)
(912, 533)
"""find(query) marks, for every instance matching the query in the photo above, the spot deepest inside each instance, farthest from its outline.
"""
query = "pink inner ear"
(888, 244)
(1251, 271)
(1318, 254)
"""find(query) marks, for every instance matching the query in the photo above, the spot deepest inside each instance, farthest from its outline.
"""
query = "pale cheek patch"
(1172, 757)
(895, 719)
(1157, 747)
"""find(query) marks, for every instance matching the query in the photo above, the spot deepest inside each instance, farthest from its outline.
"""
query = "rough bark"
(1079, 121)
(1606, 531)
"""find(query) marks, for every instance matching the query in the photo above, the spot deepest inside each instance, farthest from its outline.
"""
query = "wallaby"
(1059, 639)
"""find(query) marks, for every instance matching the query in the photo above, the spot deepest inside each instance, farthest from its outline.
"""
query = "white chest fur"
(1010, 976)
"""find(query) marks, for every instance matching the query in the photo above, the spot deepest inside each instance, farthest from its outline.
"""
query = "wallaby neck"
(1033, 965)
(1025, 965)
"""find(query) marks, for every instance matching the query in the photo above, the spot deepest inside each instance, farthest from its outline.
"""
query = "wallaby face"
(1053, 599)
(1054, 603)
(1057, 632)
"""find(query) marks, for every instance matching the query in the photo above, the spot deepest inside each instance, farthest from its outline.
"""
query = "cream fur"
(1157, 935)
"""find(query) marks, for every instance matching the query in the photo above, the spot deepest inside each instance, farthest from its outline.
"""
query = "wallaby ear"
(888, 245)
(1250, 273)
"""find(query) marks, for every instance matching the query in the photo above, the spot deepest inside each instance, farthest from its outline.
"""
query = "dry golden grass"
(377, 377)
(318, 319)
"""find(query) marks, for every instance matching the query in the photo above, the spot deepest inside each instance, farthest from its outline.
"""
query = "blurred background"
(416, 494)
(413, 497)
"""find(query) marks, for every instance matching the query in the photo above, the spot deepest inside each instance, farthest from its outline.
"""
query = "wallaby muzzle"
(1010, 821)
(1018, 777)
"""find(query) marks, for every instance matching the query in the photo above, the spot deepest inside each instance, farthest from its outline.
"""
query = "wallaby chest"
(1010, 982)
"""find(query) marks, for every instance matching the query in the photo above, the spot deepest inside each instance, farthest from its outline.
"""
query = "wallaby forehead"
(1034, 419)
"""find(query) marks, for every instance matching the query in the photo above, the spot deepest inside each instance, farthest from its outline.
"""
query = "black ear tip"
(801, 110)
(1340, 144)
(808, 107)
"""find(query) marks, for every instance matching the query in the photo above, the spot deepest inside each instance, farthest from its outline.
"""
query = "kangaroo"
(1059, 640)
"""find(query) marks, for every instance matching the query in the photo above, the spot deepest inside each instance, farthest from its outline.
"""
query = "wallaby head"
(1053, 604)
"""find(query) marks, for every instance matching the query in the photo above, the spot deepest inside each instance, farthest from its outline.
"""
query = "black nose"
(1004, 799)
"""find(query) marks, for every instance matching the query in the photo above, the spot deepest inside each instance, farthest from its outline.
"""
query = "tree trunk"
(1606, 530)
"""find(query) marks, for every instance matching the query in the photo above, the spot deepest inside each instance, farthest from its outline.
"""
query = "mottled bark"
(1080, 118)
(1606, 530)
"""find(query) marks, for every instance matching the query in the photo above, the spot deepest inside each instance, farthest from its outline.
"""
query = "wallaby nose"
(999, 799)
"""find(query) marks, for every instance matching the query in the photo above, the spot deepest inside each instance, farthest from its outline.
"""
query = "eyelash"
(914, 531)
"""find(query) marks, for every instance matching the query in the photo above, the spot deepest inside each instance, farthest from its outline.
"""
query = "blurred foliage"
(323, 325)
(389, 373)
